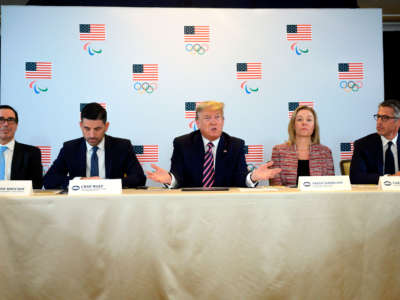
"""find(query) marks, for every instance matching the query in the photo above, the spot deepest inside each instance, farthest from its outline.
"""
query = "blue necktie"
(2, 162)
(389, 160)
(94, 163)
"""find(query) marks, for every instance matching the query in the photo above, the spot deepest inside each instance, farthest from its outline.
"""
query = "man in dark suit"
(17, 161)
(95, 155)
(378, 154)
(210, 157)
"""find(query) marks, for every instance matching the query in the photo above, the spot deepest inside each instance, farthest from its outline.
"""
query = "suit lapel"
(17, 160)
(398, 151)
(222, 152)
(379, 153)
(198, 158)
(82, 158)
(107, 155)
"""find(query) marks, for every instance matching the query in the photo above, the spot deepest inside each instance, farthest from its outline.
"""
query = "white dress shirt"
(8, 155)
(394, 149)
(101, 159)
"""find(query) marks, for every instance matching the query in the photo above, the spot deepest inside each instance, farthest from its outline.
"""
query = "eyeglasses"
(9, 120)
(384, 118)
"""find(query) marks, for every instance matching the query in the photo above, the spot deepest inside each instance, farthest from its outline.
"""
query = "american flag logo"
(46, 156)
(351, 71)
(294, 105)
(146, 153)
(38, 70)
(92, 32)
(196, 34)
(346, 150)
(254, 153)
(145, 72)
(82, 105)
(190, 109)
(248, 70)
(299, 32)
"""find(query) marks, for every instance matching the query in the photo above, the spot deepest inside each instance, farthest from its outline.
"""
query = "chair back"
(345, 166)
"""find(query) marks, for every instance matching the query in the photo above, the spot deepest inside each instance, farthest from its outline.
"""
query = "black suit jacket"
(120, 162)
(367, 161)
(188, 159)
(27, 164)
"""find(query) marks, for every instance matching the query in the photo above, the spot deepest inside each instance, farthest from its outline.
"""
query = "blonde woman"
(302, 155)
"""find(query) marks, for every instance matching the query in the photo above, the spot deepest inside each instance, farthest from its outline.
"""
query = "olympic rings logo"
(197, 48)
(145, 87)
(349, 86)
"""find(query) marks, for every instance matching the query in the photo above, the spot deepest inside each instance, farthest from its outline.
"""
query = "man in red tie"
(209, 157)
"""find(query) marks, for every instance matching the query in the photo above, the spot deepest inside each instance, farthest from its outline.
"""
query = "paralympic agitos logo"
(190, 113)
(246, 72)
(38, 70)
(296, 33)
(196, 39)
(92, 33)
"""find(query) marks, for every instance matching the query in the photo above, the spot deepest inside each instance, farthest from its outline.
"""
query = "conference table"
(263, 243)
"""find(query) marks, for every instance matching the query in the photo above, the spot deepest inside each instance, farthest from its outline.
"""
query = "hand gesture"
(159, 175)
(265, 172)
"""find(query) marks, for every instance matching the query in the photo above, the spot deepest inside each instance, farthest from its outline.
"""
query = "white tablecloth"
(193, 245)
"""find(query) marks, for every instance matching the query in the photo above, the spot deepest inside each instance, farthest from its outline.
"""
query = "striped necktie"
(2, 162)
(208, 167)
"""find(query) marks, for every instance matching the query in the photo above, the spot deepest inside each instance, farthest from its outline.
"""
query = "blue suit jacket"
(367, 161)
(188, 159)
(27, 164)
(120, 162)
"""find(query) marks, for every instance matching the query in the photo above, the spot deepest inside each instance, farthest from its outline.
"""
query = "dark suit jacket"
(367, 161)
(27, 164)
(120, 160)
(188, 159)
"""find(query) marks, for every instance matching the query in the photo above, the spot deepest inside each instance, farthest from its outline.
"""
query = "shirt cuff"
(250, 182)
(173, 184)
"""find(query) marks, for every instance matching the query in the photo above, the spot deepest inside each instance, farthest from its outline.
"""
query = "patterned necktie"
(2, 162)
(94, 162)
(208, 167)
(389, 160)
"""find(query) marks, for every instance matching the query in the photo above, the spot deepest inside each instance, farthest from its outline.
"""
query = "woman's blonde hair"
(292, 131)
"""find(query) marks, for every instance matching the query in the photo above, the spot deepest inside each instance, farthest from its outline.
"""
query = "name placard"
(324, 183)
(96, 186)
(389, 183)
(15, 187)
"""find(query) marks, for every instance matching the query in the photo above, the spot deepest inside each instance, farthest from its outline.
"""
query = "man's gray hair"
(394, 104)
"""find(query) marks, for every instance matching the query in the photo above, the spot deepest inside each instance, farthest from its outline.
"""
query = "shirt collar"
(206, 141)
(10, 145)
(385, 140)
(100, 146)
